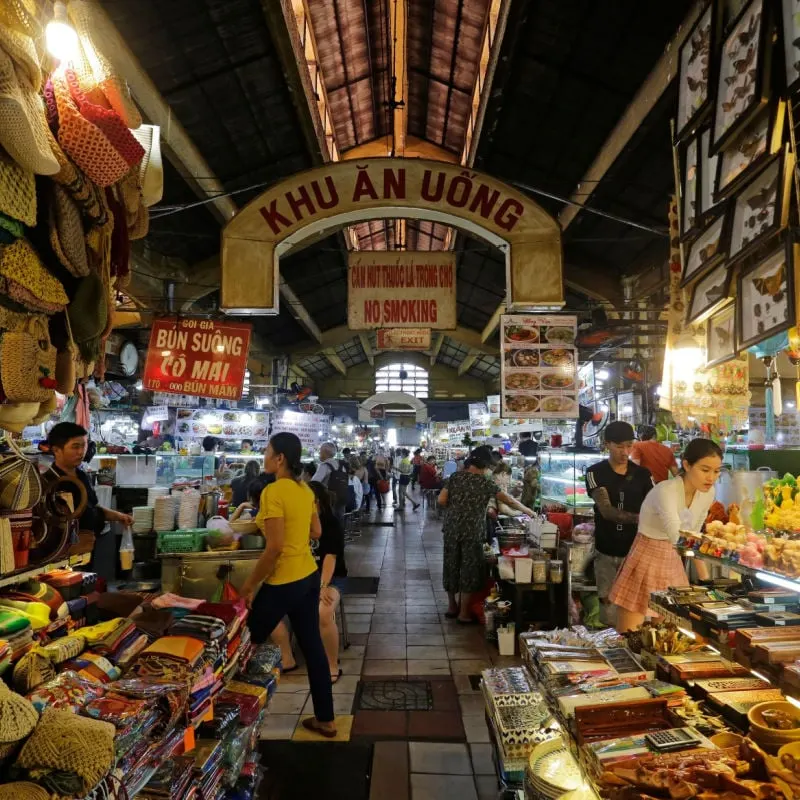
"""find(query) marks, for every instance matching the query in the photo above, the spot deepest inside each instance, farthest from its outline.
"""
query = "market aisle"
(408, 701)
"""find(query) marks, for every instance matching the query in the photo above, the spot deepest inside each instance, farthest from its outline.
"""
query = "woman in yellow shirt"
(285, 580)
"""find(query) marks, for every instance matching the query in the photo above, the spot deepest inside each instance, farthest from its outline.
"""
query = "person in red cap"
(618, 488)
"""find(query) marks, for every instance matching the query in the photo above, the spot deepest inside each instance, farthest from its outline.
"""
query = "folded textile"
(265, 658)
(20, 642)
(12, 622)
(154, 622)
(117, 709)
(103, 631)
(68, 754)
(232, 613)
(200, 626)
(94, 668)
(164, 668)
(185, 648)
(36, 591)
(133, 646)
(170, 600)
(67, 690)
(60, 650)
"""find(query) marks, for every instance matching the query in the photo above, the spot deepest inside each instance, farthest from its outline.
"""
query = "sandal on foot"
(335, 678)
(311, 724)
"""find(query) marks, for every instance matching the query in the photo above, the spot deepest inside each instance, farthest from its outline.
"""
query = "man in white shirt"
(327, 463)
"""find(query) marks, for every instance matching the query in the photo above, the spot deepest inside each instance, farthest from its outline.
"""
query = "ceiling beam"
(644, 101)
(415, 148)
(178, 146)
(468, 361)
(436, 347)
(297, 369)
(335, 361)
(493, 323)
(398, 39)
(367, 348)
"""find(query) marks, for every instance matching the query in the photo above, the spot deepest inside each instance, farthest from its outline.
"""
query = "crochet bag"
(20, 486)
(29, 362)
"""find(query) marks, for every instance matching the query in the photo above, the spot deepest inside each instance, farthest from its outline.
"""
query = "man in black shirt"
(618, 488)
(528, 448)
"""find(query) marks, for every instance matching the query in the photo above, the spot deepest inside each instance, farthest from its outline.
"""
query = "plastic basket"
(190, 540)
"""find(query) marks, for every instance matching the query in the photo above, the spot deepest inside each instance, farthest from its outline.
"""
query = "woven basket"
(28, 359)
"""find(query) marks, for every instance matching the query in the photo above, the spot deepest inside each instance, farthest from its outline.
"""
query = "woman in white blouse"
(680, 504)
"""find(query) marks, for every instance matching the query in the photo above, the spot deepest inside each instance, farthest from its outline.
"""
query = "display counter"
(156, 469)
(563, 478)
(196, 574)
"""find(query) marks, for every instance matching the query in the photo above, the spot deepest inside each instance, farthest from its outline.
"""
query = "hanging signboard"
(311, 429)
(401, 290)
(478, 419)
(379, 412)
(200, 357)
(403, 339)
(503, 427)
(538, 375)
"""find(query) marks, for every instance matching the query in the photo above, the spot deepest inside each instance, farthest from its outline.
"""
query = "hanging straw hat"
(23, 128)
(67, 235)
(151, 170)
(84, 142)
(23, 790)
(20, 36)
(27, 280)
(100, 71)
(17, 191)
(15, 417)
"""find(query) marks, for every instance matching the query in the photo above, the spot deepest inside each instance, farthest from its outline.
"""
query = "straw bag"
(28, 362)
(26, 281)
(20, 486)
(65, 364)
(151, 170)
(84, 142)
(67, 236)
(17, 191)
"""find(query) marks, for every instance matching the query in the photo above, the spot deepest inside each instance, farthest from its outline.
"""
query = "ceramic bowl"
(243, 526)
(792, 749)
(760, 730)
(724, 740)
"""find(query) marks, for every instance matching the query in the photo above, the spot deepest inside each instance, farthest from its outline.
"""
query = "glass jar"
(556, 571)
(539, 570)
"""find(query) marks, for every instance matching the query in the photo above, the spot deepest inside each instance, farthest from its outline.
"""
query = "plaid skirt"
(651, 566)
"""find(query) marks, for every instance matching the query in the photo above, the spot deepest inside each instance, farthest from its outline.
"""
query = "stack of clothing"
(37, 613)
(173, 781)
(153, 622)
(171, 659)
(67, 690)
(179, 606)
(5, 655)
(208, 767)
(39, 592)
(93, 667)
(236, 642)
(110, 639)
(212, 631)
(202, 695)
(20, 643)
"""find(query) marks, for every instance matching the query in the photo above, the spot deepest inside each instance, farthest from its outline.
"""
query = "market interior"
(399, 399)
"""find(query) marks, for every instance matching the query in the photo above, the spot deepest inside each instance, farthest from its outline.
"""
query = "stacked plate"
(142, 519)
(552, 770)
(164, 513)
(156, 491)
(188, 509)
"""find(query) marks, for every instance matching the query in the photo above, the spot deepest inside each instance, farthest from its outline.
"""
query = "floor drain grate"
(394, 696)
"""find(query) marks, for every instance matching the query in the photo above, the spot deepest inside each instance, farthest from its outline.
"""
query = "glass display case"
(158, 469)
(175, 468)
(562, 478)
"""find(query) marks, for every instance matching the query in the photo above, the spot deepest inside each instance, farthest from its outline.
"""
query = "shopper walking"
(618, 488)
(285, 580)
(404, 473)
(653, 564)
(330, 560)
(465, 497)
(416, 465)
(379, 479)
(653, 455)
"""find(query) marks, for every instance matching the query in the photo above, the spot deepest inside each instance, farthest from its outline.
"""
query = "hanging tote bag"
(29, 362)
(20, 486)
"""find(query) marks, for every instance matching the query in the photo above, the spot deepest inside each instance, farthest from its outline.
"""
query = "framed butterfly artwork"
(790, 19)
(737, 163)
(761, 209)
(709, 294)
(721, 336)
(695, 72)
(689, 155)
(743, 80)
(765, 300)
(704, 252)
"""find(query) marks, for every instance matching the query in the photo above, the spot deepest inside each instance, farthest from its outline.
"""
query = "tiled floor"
(402, 634)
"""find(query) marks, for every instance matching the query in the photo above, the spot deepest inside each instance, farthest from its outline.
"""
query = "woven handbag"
(20, 486)
(67, 236)
(29, 362)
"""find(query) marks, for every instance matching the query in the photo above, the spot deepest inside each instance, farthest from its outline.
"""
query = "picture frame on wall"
(790, 24)
(765, 301)
(706, 250)
(690, 178)
(707, 181)
(738, 162)
(721, 336)
(761, 209)
(695, 73)
(743, 79)
(710, 294)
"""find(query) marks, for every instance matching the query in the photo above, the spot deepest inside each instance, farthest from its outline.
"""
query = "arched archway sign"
(314, 203)
(397, 398)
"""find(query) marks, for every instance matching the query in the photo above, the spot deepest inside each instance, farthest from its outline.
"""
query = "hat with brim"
(21, 266)
(23, 790)
(15, 417)
(67, 235)
(151, 170)
(20, 31)
(23, 125)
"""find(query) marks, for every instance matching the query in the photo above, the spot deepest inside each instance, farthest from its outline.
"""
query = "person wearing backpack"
(333, 475)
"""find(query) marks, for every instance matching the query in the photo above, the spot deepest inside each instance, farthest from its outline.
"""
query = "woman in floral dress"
(465, 497)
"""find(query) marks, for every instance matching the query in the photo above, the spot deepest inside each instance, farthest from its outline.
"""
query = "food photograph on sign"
(539, 363)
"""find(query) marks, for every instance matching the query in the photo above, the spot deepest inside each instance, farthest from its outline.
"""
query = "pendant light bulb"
(61, 37)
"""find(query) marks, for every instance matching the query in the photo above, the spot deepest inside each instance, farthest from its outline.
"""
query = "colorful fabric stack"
(39, 592)
(179, 606)
(170, 659)
(94, 668)
(68, 690)
(5, 656)
(37, 614)
(209, 630)
(208, 767)
(173, 781)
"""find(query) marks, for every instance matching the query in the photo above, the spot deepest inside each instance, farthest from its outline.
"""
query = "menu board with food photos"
(538, 369)
(198, 423)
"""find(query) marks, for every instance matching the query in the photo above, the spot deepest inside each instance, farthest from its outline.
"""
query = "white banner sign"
(403, 339)
(401, 290)
(538, 377)
(311, 429)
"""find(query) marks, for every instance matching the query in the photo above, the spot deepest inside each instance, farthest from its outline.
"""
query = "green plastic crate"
(191, 540)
